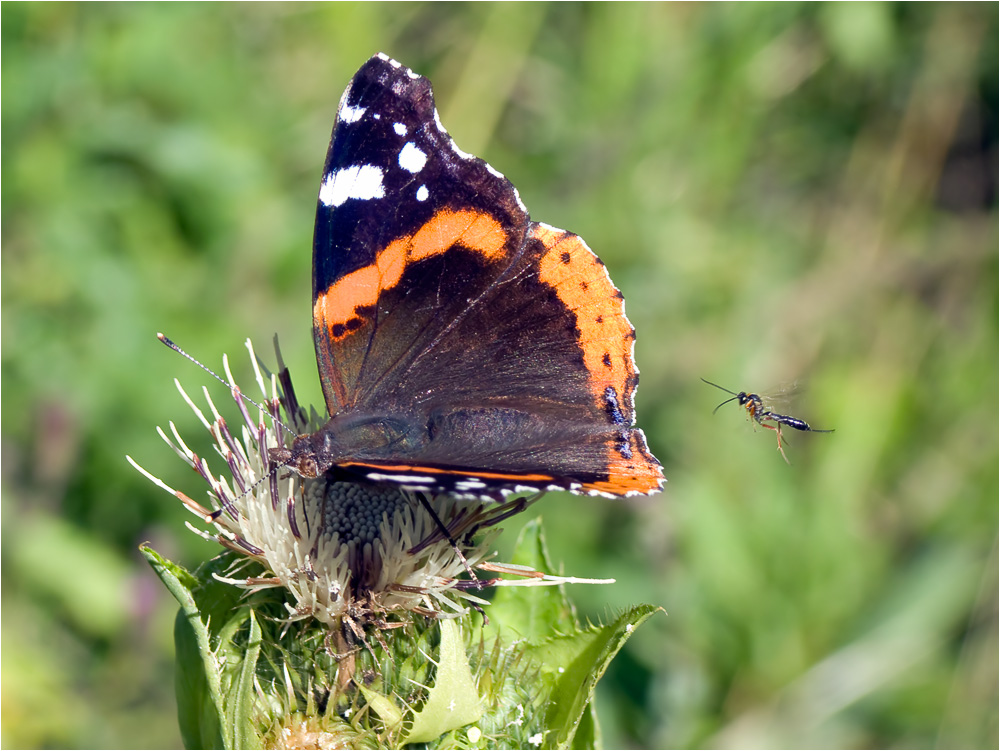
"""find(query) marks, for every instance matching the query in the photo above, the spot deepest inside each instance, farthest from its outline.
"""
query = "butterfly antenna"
(272, 472)
(722, 388)
(223, 381)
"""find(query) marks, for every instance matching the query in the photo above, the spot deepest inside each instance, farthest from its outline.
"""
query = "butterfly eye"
(307, 467)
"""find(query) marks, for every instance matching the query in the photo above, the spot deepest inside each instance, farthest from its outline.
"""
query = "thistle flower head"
(341, 548)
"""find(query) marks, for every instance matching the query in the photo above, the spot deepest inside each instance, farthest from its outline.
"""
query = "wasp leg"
(777, 431)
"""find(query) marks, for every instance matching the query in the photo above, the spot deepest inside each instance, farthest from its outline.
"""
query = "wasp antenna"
(221, 380)
(725, 402)
(721, 388)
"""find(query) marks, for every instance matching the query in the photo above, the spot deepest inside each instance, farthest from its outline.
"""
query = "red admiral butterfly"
(462, 347)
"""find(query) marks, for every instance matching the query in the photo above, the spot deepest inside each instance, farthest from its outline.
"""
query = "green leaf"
(217, 601)
(383, 706)
(532, 612)
(215, 675)
(588, 732)
(570, 667)
(453, 701)
(197, 681)
(240, 696)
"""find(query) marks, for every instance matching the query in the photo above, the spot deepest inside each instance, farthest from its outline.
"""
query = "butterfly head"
(310, 455)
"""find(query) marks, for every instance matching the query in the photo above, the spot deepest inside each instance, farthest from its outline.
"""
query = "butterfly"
(462, 347)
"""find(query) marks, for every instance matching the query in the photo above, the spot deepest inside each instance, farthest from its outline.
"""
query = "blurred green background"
(783, 192)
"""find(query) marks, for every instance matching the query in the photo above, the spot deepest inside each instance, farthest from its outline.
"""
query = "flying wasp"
(761, 414)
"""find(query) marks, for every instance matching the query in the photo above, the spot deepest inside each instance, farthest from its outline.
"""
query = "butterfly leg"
(448, 536)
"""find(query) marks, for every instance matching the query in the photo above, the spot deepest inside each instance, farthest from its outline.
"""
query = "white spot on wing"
(462, 154)
(411, 158)
(399, 128)
(422, 193)
(361, 181)
(517, 197)
(349, 114)
(403, 479)
(494, 172)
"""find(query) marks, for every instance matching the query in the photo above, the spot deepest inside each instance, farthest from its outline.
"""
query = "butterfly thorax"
(348, 436)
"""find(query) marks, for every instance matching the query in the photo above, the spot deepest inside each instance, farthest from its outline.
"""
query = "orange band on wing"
(338, 307)
(630, 471)
(627, 485)
(583, 285)
(470, 229)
